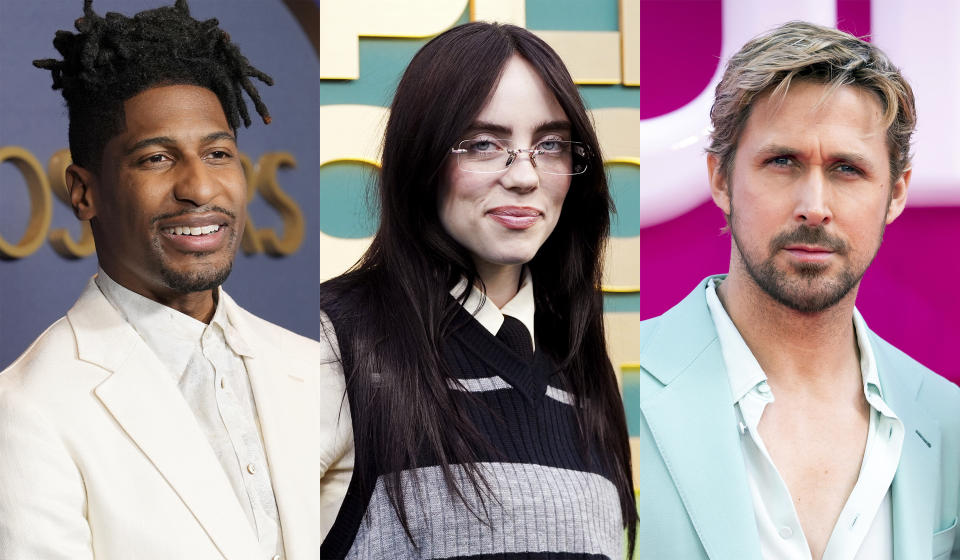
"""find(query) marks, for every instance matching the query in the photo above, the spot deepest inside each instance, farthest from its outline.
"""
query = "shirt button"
(786, 532)
(763, 388)
(251, 469)
(223, 383)
(275, 557)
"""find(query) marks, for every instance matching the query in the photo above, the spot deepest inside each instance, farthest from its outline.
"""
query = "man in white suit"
(158, 419)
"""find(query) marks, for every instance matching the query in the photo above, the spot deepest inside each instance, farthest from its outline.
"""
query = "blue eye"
(848, 169)
(483, 145)
(550, 146)
(780, 160)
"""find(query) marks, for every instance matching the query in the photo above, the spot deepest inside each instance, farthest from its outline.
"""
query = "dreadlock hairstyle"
(400, 288)
(115, 57)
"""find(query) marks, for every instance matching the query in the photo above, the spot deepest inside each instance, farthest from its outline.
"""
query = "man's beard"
(808, 290)
(208, 277)
(198, 281)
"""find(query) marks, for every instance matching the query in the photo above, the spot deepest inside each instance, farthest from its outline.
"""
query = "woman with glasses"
(486, 414)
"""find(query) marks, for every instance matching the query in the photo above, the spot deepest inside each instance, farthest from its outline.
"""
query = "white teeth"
(186, 230)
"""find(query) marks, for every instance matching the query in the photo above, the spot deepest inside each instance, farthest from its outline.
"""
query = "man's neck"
(199, 305)
(795, 349)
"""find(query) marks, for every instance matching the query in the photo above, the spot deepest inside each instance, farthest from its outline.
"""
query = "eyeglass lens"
(490, 155)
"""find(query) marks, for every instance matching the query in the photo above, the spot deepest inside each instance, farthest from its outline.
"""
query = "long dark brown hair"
(400, 287)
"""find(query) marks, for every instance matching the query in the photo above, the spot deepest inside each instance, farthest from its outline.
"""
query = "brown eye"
(155, 159)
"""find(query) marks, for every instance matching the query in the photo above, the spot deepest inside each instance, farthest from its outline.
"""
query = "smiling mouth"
(186, 230)
(515, 217)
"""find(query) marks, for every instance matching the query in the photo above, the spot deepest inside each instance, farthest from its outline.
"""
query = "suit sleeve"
(42, 496)
(336, 427)
(337, 477)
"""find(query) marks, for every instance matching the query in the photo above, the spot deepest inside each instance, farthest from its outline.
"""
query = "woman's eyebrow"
(484, 126)
(549, 126)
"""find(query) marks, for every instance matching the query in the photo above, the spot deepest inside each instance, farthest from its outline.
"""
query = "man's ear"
(719, 189)
(898, 196)
(81, 184)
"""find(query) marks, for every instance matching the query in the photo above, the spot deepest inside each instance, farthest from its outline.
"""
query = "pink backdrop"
(907, 296)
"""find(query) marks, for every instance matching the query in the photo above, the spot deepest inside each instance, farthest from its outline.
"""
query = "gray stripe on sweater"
(479, 384)
(497, 383)
(538, 509)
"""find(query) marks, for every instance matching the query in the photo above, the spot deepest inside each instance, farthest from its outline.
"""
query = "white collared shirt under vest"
(205, 361)
(864, 530)
(521, 307)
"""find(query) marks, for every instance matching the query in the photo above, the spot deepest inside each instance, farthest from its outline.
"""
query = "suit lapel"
(693, 422)
(147, 405)
(287, 406)
(917, 478)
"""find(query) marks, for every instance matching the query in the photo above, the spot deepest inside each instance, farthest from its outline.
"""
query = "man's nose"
(194, 182)
(813, 200)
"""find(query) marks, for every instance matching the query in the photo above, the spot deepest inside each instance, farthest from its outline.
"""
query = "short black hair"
(115, 57)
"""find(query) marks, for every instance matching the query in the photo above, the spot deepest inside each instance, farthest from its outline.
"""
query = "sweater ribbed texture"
(544, 500)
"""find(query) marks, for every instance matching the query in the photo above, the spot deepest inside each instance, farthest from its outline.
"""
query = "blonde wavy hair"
(803, 51)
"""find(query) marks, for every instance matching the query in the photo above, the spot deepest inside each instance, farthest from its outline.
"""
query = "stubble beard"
(207, 278)
(804, 287)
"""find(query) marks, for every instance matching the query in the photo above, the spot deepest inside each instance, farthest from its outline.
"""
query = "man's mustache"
(805, 235)
(203, 210)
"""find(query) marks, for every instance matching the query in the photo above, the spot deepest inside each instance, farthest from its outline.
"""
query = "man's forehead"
(808, 101)
(815, 112)
(179, 113)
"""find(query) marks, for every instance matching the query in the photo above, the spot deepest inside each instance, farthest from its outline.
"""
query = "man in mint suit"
(771, 422)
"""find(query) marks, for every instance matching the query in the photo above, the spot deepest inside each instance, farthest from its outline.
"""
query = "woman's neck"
(500, 281)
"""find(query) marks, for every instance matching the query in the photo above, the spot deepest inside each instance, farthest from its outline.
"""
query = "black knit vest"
(545, 499)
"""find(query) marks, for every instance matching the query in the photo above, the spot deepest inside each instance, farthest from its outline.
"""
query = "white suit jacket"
(100, 456)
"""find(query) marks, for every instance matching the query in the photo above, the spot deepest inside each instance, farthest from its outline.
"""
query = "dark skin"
(167, 205)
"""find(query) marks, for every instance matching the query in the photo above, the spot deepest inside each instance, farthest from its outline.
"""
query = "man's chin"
(195, 279)
(808, 291)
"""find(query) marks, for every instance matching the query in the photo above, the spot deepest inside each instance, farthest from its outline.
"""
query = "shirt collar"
(743, 369)
(231, 334)
(521, 306)
(745, 372)
(171, 335)
(868, 368)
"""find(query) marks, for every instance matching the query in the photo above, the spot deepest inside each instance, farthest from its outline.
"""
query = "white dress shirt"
(864, 530)
(521, 307)
(205, 361)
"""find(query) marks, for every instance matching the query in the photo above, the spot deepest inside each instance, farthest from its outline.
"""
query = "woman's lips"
(515, 217)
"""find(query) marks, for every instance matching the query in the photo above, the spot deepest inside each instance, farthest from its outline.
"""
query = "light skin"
(167, 205)
(813, 170)
(504, 218)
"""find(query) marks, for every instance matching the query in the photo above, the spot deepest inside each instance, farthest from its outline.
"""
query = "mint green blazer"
(692, 492)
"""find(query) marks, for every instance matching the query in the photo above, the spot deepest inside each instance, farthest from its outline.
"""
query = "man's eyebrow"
(778, 149)
(156, 140)
(852, 157)
(167, 140)
(222, 135)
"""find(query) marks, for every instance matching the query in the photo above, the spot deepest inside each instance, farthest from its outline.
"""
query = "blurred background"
(646, 69)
